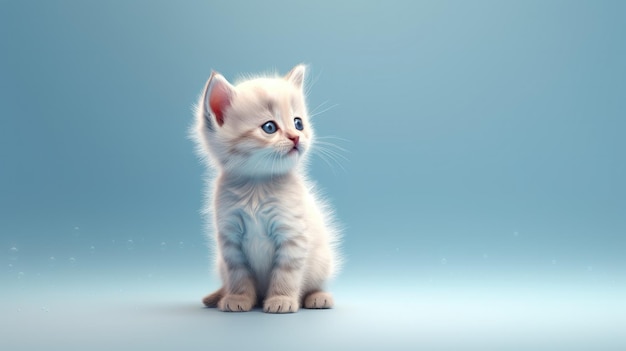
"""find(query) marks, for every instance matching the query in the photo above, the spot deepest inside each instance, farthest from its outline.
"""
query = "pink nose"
(295, 139)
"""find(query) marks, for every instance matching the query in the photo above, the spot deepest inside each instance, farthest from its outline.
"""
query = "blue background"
(483, 195)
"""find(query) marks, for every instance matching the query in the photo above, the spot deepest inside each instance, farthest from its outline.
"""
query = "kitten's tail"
(212, 299)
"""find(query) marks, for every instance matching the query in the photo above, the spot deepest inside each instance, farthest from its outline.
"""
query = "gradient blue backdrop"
(485, 152)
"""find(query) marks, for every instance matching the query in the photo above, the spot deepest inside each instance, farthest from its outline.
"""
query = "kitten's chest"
(268, 215)
(267, 200)
(258, 247)
(262, 212)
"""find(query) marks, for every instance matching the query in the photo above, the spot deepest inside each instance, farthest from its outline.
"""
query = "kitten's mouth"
(293, 151)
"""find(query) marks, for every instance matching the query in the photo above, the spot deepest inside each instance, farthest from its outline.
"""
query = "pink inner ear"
(219, 100)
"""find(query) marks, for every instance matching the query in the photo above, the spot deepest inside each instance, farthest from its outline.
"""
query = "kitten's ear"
(218, 95)
(296, 75)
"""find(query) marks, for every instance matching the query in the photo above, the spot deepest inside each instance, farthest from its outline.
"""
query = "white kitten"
(275, 238)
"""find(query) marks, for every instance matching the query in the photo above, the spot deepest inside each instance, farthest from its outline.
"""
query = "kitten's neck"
(237, 179)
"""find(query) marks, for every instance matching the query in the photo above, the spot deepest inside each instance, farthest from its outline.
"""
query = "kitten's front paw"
(235, 303)
(318, 299)
(281, 304)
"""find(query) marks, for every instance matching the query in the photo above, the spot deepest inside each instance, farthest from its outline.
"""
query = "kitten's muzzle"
(295, 140)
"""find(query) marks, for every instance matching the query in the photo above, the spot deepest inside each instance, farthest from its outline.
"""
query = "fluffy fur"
(275, 241)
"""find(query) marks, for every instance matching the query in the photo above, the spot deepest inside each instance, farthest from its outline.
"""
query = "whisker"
(324, 110)
(334, 155)
(331, 147)
(331, 161)
(318, 107)
(324, 158)
(332, 152)
(328, 154)
(310, 85)
(327, 144)
(331, 137)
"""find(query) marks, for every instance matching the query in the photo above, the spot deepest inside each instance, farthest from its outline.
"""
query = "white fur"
(276, 242)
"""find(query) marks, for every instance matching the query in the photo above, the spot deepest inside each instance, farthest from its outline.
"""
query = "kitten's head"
(259, 127)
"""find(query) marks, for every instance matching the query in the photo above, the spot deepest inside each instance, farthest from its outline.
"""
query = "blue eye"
(269, 127)
(298, 123)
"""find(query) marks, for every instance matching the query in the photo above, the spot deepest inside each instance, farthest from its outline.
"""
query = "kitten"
(276, 244)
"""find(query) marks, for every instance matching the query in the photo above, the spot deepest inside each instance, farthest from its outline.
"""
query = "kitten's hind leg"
(318, 299)
(212, 299)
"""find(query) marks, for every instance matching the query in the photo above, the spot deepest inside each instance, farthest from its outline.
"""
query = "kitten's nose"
(295, 139)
